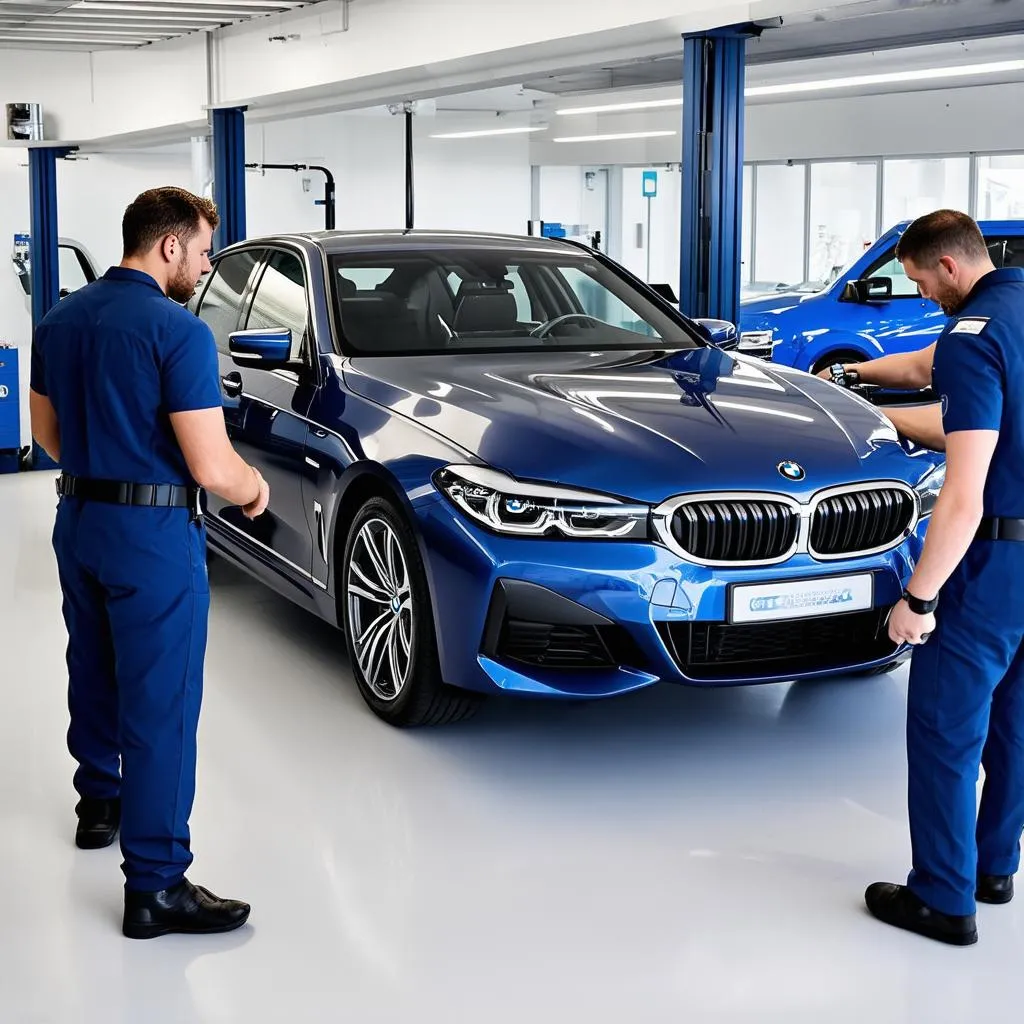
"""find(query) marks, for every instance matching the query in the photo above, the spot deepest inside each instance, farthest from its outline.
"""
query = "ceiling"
(120, 24)
(861, 27)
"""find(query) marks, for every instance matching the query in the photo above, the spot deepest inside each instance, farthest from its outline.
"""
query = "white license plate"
(802, 599)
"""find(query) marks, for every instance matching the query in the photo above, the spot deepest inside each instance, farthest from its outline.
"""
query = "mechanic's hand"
(259, 506)
(905, 627)
(825, 374)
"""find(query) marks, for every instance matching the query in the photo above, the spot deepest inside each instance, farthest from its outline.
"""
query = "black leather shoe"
(898, 906)
(98, 822)
(994, 889)
(185, 908)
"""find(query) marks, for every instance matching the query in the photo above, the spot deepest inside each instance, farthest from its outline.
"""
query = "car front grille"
(859, 521)
(709, 651)
(736, 531)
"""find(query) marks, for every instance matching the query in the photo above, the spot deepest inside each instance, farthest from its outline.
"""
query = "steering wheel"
(545, 329)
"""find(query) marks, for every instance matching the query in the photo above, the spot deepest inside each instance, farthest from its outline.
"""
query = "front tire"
(825, 361)
(389, 623)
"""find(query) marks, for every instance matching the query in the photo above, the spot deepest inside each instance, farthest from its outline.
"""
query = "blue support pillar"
(42, 171)
(229, 175)
(43, 250)
(712, 186)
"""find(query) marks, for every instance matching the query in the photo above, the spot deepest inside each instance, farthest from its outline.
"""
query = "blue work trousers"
(966, 709)
(136, 604)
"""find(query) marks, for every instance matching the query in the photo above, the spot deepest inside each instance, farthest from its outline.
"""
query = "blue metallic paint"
(810, 328)
(640, 425)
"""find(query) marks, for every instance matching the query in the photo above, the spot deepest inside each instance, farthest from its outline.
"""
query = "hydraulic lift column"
(229, 175)
(712, 187)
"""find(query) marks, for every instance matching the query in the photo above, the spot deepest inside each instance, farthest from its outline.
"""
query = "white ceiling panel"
(120, 24)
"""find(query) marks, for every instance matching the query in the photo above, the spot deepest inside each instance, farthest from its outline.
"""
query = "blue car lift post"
(42, 171)
(229, 175)
(714, 75)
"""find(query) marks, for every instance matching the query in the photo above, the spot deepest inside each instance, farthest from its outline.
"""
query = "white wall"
(461, 184)
(978, 119)
(91, 197)
(984, 118)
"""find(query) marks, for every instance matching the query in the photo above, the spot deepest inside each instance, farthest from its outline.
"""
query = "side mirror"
(264, 348)
(719, 332)
(871, 289)
(666, 292)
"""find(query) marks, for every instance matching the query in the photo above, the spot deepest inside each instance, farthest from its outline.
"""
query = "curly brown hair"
(163, 211)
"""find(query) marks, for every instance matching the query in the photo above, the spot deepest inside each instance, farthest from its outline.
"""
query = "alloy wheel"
(380, 609)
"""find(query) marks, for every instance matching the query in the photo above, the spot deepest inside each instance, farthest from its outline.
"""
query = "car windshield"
(446, 301)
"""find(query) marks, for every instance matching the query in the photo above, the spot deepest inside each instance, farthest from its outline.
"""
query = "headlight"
(755, 342)
(928, 489)
(506, 505)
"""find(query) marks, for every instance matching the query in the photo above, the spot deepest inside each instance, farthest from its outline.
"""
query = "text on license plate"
(802, 599)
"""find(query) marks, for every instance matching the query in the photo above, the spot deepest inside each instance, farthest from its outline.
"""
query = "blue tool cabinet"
(10, 413)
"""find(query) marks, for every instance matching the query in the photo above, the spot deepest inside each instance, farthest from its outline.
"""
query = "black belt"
(996, 528)
(123, 492)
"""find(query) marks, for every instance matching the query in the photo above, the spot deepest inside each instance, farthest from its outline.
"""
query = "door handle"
(232, 385)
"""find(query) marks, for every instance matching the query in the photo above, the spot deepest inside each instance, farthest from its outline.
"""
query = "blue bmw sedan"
(504, 464)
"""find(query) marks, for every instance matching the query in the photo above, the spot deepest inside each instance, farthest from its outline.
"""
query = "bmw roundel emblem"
(792, 470)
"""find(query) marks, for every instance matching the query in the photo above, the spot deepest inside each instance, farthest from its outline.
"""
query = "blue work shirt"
(116, 358)
(979, 375)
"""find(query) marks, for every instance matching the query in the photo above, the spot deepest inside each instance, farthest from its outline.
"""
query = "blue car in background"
(505, 465)
(872, 309)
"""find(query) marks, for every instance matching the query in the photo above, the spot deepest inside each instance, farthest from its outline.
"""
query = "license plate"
(802, 599)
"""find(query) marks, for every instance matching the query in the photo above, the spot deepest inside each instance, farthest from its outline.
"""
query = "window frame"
(304, 362)
(244, 295)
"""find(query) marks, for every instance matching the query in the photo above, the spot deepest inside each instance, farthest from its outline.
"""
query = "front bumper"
(596, 618)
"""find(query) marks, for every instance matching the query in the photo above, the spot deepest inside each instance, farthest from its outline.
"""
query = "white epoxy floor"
(678, 855)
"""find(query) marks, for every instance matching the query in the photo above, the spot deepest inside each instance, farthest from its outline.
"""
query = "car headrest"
(486, 311)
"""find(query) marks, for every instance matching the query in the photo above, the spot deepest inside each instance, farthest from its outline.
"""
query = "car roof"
(355, 241)
(1012, 224)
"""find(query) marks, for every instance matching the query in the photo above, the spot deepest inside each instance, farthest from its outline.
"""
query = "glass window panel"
(1001, 187)
(747, 254)
(779, 250)
(915, 187)
(844, 201)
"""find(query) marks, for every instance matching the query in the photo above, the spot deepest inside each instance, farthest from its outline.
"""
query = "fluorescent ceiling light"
(491, 131)
(889, 78)
(851, 82)
(613, 137)
(615, 107)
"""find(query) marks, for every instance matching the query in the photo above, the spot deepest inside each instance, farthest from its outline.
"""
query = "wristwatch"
(843, 377)
(919, 607)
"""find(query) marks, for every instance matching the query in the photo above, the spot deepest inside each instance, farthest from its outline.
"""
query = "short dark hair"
(942, 233)
(167, 210)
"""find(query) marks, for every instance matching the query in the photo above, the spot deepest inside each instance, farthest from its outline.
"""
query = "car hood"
(643, 425)
(776, 303)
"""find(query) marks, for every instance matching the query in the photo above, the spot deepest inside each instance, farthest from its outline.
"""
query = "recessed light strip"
(616, 136)
(821, 85)
(524, 130)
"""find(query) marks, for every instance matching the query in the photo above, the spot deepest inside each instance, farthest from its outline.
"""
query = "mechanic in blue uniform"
(965, 601)
(125, 396)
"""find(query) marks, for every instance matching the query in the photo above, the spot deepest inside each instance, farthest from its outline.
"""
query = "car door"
(268, 421)
(220, 305)
(906, 322)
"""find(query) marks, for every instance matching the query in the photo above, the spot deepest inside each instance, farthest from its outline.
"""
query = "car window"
(1013, 255)
(222, 299)
(71, 272)
(889, 266)
(280, 299)
(1006, 251)
(481, 299)
(597, 301)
